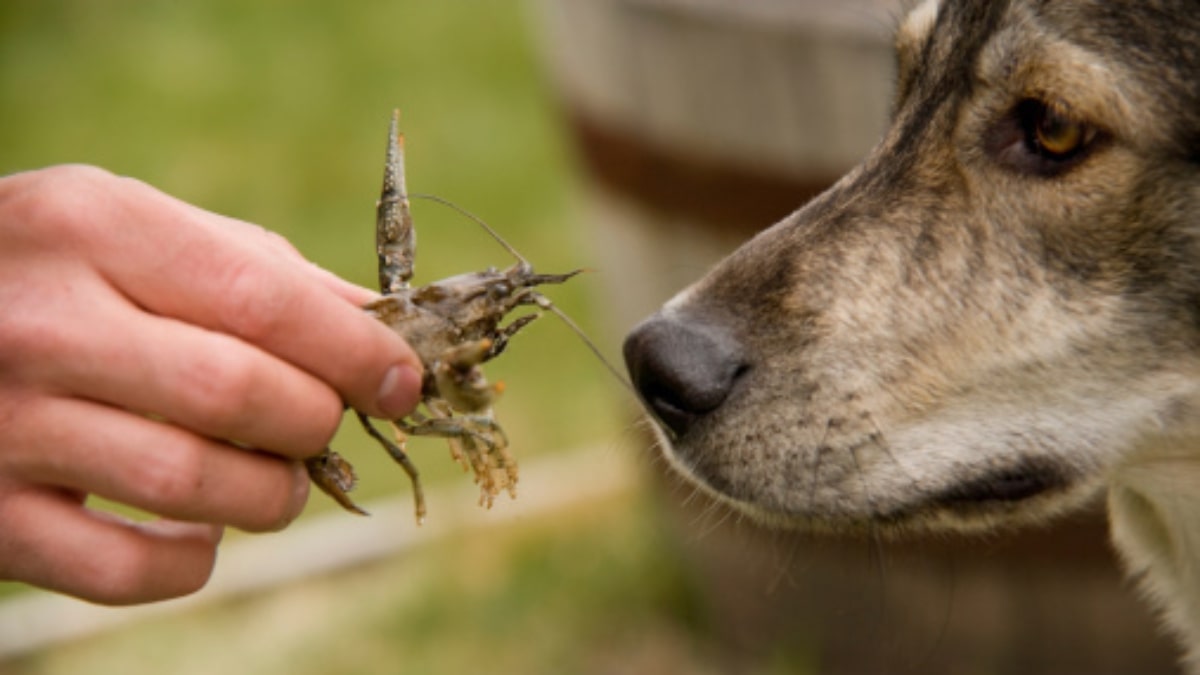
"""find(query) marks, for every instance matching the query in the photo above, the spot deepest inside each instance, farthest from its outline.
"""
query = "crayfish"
(454, 326)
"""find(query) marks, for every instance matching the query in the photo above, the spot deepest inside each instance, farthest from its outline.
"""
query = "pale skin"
(168, 358)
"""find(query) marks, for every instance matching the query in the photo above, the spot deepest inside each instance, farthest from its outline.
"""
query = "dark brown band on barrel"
(735, 199)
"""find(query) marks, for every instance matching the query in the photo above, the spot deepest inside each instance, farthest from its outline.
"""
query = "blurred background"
(641, 139)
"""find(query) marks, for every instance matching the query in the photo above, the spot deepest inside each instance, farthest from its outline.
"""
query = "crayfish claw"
(335, 477)
(395, 238)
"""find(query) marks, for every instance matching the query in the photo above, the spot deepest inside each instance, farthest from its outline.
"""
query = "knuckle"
(254, 301)
(172, 480)
(280, 243)
(32, 340)
(67, 179)
(62, 201)
(217, 392)
(20, 423)
(82, 176)
(13, 547)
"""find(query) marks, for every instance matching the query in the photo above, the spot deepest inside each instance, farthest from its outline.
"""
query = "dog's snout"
(683, 371)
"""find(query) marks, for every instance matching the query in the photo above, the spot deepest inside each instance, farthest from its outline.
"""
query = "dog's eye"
(1041, 138)
(1051, 133)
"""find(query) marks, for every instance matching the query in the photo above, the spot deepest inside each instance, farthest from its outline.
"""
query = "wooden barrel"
(697, 123)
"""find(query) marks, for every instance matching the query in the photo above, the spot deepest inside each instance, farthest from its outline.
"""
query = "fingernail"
(400, 391)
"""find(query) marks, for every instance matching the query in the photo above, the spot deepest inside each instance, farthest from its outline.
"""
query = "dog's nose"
(682, 370)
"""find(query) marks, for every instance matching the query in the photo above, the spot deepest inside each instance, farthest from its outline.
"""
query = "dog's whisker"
(880, 441)
(693, 494)
(877, 561)
(818, 452)
(715, 523)
(785, 564)
(711, 506)
(864, 485)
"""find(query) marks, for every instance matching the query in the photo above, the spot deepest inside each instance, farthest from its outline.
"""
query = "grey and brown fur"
(964, 332)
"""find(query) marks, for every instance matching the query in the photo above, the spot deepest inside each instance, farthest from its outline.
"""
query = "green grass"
(594, 590)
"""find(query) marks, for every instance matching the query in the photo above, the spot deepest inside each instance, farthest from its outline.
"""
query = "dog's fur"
(965, 332)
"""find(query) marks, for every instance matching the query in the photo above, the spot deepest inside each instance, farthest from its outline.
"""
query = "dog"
(992, 320)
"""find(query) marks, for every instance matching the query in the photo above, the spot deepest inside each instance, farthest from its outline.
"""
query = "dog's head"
(999, 305)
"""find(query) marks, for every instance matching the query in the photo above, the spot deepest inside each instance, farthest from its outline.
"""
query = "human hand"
(167, 358)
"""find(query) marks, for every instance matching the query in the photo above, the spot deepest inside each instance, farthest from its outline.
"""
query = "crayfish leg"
(505, 334)
(401, 458)
(477, 439)
(456, 453)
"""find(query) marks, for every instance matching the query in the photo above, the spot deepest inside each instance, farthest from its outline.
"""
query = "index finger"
(176, 260)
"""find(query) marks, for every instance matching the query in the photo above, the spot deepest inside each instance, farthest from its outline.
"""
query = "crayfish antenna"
(550, 307)
(480, 222)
